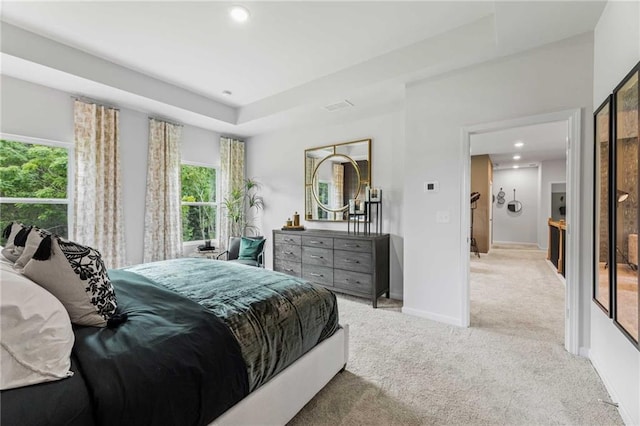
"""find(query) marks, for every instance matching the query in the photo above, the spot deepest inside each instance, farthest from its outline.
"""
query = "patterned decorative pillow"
(34, 238)
(14, 231)
(76, 275)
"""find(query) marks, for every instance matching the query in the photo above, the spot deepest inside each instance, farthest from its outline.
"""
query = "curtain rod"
(94, 102)
(166, 121)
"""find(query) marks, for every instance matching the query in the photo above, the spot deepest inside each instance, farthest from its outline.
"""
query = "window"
(199, 202)
(35, 180)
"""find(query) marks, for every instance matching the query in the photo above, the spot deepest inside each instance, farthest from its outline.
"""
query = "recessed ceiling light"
(516, 167)
(516, 157)
(518, 144)
(226, 92)
(239, 13)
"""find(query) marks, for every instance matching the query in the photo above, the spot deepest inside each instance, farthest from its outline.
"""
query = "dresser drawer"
(318, 274)
(317, 256)
(352, 245)
(355, 281)
(323, 242)
(287, 239)
(291, 268)
(352, 261)
(288, 252)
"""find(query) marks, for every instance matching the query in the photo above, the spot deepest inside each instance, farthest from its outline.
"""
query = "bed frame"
(279, 400)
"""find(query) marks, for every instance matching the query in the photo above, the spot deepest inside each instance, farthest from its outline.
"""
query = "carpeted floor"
(510, 367)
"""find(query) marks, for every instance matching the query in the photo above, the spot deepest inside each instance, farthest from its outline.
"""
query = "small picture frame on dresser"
(375, 195)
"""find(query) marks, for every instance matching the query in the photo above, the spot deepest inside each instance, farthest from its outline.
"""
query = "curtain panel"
(338, 191)
(163, 220)
(98, 217)
(231, 177)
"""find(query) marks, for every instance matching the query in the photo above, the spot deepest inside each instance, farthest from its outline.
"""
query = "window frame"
(71, 170)
(216, 204)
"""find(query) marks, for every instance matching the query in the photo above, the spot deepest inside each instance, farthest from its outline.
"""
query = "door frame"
(572, 293)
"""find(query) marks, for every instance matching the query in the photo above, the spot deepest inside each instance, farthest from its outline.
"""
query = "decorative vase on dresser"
(345, 263)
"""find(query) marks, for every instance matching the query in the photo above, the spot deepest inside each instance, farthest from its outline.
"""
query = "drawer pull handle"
(288, 269)
(316, 242)
(314, 256)
(352, 245)
(288, 252)
(351, 261)
(291, 240)
(313, 274)
(349, 280)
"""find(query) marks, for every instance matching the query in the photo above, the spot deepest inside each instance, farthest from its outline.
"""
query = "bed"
(205, 341)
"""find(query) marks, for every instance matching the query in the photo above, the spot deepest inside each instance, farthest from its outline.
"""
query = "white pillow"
(37, 338)
(4, 259)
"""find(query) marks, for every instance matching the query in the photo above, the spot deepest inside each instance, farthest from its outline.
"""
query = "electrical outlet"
(442, 216)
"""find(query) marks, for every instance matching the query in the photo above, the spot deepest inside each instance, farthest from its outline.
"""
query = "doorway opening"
(531, 182)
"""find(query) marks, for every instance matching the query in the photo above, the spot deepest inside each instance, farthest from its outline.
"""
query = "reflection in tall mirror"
(601, 288)
(334, 174)
(626, 205)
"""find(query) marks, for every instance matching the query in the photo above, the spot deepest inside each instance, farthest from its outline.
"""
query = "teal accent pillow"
(250, 249)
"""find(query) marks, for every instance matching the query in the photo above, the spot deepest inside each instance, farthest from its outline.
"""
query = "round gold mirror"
(332, 169)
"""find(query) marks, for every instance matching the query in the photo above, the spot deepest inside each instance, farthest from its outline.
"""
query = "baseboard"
(626, 416)
(583, 352)
(435, 317)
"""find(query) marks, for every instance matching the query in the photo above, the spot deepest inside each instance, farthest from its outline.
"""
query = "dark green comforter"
(274, 317)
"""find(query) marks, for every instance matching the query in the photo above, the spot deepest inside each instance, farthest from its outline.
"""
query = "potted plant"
(242, 203)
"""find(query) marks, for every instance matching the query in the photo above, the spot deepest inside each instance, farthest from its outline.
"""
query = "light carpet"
(510, 367)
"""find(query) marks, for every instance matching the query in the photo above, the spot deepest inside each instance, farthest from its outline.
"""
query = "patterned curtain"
(162, 220)
(98, 218)
(231, 176)
(338, 188)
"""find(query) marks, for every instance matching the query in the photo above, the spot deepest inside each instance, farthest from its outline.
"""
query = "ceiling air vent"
(338, 106)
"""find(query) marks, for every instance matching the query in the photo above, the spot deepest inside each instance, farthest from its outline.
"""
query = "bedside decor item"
(334, 174)
(296, 219)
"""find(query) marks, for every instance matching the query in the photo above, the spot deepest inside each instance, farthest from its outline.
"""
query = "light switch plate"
(433, 186)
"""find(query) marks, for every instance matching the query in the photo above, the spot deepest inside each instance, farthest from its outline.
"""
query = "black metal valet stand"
(474, 244)
(366, 218)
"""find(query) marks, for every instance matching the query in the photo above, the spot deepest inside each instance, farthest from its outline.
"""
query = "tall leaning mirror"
(334, 174)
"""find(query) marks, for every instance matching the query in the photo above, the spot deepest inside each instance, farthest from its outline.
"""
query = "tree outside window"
(34, 184)
(199, 203)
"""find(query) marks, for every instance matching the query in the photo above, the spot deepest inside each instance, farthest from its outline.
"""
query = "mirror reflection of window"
(323, 195)
(626, 236)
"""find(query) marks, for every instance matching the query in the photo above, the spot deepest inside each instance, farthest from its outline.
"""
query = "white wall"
(32, 110)
(552, 78)
(277, 160)
(509, 227)
(616, 51)
(550, 171)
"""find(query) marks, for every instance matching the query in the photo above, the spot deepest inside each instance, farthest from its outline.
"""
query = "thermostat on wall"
(433, 186)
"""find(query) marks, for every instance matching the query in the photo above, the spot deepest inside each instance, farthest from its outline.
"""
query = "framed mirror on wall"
(616, 213)
(602, 188)
(334, 174)
(626, 100)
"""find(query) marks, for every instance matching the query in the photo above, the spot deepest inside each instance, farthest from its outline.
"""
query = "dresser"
(345, 263)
